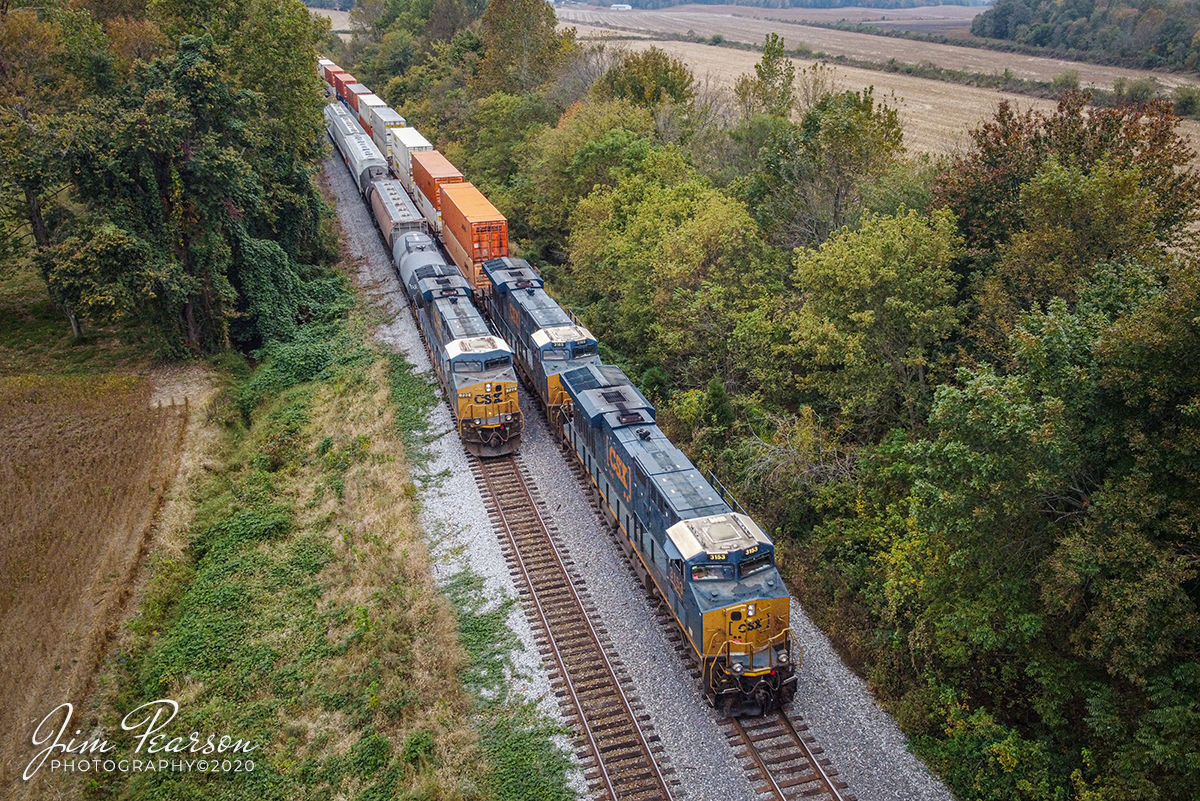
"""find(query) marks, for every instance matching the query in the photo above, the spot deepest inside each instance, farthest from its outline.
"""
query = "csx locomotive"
(474, 366)
(711, 564)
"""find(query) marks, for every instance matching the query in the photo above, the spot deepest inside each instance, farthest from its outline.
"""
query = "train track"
(782, 759)
(620, 753)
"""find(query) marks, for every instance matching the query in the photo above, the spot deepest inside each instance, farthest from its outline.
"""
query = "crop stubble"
(85, 466)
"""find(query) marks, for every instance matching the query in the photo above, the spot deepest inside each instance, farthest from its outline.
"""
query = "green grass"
(35, 336)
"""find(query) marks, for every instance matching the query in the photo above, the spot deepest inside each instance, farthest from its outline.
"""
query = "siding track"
(621, 757)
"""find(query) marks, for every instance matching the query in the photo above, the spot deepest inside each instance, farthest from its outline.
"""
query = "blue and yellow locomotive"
(713, 566)
(545, 340)
(475, 368)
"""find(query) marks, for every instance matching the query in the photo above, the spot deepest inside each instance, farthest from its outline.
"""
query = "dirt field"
(739, 26)
(340, 20)
(936, 115)
(86, 466)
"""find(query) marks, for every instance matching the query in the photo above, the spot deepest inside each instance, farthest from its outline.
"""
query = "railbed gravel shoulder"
(860, 739)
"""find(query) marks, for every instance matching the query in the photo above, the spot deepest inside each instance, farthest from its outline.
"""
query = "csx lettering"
(749, 625)
(495, 397)
(618, 468)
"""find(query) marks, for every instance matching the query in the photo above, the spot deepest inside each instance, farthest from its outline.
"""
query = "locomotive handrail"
(725, 494)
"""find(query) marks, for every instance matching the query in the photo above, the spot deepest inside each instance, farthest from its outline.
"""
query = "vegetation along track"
(619, 751)
(783, 759)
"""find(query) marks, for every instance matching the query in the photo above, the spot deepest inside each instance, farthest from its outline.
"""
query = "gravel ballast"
(862, 742)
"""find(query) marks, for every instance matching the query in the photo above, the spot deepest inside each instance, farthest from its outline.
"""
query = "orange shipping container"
(331, 70)
(341, 81)
(430, 169)
(473, 230)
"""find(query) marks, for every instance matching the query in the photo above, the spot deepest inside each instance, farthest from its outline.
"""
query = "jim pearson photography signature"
(147, 722)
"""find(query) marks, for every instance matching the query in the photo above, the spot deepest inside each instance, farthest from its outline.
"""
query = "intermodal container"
(405, 142)
(431, 169)
(384, 118)
(366, 104)
(473, 230)
(331, 69)
(322, 63)
(353, 92)
(340, 81)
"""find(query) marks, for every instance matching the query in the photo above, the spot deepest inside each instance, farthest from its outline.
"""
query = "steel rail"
(564, 671)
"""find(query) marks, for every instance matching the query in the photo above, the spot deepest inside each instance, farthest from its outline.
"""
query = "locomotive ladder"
(788, 766)
(621, 754)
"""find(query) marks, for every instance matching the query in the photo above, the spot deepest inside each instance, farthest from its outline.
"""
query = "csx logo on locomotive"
(618, 468)
(493, 397)
(749, 625)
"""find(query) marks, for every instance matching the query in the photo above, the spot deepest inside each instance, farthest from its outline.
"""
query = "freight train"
(708, 560)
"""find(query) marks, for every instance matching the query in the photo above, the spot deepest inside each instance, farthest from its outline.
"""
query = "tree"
(662, 266)
(647, 78)
(522, 45)
(877, 306)
(771, 90)
(983, 187)
(808, 178)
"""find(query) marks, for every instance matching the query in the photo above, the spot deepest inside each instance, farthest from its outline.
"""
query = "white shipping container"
(406, 141)
(365, 104)
(381, 120)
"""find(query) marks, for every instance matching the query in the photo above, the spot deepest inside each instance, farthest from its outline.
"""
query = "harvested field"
(740, 26)
(936, 115)
(86, 466)
(340, 20)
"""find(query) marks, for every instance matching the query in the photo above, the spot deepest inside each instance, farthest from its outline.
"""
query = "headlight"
(783, 657)
(738, 668)
(478, 421)
(508, 418)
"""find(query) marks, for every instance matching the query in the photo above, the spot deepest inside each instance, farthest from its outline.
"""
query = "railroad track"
(620, 753)
(783, 760)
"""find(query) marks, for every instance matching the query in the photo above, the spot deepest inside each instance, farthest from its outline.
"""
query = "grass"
(35, 336)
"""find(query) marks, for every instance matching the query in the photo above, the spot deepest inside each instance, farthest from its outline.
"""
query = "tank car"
(475, 367)
(546, 342)
(714, 567)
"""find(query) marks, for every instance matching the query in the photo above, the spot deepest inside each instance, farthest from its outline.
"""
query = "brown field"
(340, 20)
(738, 25)
(936, 115)
(85, 467)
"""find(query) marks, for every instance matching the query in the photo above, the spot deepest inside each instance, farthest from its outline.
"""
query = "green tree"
(771, 90)
(877, 307)
(522, 46)
(647, 78)
(808, 179)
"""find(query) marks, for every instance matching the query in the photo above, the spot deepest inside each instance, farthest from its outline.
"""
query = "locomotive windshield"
(712, 572)
(755, 564)
(497, 363)
(585, 350)
(468, 366)
(554, 355)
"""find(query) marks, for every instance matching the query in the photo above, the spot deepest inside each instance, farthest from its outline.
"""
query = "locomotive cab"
(480, 371)
(746, 642)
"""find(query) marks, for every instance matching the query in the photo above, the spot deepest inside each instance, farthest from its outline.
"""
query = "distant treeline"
(336, 5)
(808, 3)
(1152, 33)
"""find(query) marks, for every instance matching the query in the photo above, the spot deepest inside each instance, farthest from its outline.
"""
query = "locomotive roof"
(723, 533)
(604, 391)
(461, 318)
(561, 335)
(477, 346)
(509, 274)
